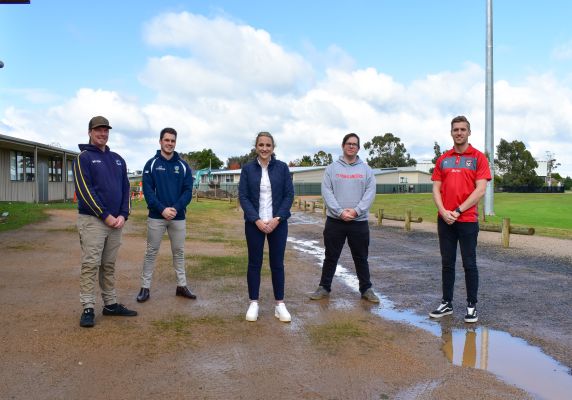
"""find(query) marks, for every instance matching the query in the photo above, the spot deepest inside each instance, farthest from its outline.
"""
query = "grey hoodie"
(348, 186)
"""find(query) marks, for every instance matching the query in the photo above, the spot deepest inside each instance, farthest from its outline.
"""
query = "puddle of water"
(510, 358)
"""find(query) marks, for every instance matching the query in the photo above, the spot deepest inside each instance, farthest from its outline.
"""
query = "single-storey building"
(307, 180)
(401, 175)
(35, 172)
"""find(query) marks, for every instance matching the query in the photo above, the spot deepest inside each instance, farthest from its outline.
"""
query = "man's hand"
(119, 222)
(348, 214)
(110, 221)
(450, 217)
(169, 213)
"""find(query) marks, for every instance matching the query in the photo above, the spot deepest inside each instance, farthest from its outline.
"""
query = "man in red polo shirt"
(459, 182)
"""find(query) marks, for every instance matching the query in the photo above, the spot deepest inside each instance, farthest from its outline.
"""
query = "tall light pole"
(489, 113)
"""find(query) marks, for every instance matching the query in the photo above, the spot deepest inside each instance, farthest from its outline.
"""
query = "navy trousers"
(276, 245)
(465, 234)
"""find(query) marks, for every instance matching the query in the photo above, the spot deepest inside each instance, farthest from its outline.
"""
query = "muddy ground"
(204, 349)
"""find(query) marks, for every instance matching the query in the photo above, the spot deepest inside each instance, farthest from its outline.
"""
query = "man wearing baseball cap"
(102, 189)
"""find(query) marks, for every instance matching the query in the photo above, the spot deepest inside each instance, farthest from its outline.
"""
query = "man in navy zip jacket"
(102, 190)
(168, 189)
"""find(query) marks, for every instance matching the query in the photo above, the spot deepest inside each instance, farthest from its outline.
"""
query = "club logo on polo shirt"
(469, 163)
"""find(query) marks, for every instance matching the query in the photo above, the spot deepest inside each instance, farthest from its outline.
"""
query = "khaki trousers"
(177, 232)
(99, 246)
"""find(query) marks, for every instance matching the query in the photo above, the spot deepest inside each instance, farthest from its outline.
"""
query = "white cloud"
(219, 82)
(220, 49)
(563, 51)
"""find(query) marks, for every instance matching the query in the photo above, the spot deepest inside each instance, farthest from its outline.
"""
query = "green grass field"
(549, 214)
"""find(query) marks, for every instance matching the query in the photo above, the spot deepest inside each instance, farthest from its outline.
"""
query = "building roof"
(21, 144)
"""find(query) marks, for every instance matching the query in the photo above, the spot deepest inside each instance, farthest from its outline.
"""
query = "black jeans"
(465, 233)
(335, 233)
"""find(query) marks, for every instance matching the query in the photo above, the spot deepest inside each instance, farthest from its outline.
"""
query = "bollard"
(379, 216)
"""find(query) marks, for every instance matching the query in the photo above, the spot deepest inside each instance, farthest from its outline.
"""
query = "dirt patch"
(205, 349)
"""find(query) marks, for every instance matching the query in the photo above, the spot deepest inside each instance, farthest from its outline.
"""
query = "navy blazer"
(282, 189)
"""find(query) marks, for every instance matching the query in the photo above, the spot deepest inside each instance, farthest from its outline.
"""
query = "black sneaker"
(471, 313)
(118, 310)
(87, 319)
(445, 308)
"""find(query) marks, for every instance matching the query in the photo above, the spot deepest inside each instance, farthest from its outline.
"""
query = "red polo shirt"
(458, 173)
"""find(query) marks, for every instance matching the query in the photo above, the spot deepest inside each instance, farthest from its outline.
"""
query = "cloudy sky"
(307, 71)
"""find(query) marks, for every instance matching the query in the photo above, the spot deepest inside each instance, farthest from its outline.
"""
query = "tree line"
(514, 164)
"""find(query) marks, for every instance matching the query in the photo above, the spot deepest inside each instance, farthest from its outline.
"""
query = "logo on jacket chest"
(176, 169)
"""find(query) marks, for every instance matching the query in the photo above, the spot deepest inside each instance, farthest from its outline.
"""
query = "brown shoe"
(143, 295)
(185, 292)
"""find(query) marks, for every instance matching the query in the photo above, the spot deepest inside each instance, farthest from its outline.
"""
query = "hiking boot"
(471, 316)
(320, 293)
(445, 308)
(282, 313)
(118, 310)
(87, 319)
(369, 295)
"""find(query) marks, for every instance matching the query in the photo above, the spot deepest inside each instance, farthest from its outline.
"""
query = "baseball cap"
(98, 121)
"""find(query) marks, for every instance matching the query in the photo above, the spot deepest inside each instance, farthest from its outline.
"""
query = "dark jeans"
(276, 245)
(335, 233)
(465, 233)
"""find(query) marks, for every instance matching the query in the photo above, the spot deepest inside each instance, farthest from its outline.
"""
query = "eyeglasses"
(351, 144)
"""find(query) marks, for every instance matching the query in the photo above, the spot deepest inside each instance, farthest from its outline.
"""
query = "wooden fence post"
(312, 206)
(505, 232)
(379, 216)
(408, 220)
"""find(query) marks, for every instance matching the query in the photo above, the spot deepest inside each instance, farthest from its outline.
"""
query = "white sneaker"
(282, 313)
(252, 313)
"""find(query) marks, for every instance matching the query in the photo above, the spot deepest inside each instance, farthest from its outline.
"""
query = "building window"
(22, 167)
(70, 170)
(55, 169)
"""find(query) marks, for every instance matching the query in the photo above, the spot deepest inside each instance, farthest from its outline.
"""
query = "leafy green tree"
(556, 176)
(202, 159)
(321, 158)
(438, 154)
(388, 151)
(567, 182)
(237, 162)
(516, 165)
(305, 161)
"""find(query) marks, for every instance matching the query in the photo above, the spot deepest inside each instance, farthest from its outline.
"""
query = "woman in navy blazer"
(266, 194)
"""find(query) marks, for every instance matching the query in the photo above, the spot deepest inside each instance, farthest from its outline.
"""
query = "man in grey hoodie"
(348, 189)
